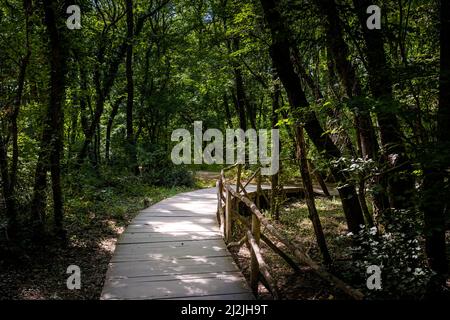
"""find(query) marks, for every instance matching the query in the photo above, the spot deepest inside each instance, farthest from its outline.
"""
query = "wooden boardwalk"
(174, 250)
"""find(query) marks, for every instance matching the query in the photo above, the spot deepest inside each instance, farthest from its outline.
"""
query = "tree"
(280, 54)
(52, 138)
(401, 185)
(9, 175)
(130, 86)
(367, 142)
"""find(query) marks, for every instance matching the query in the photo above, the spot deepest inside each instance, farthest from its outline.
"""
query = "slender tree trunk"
(319, 178)
(240, 98)
(104, 87)
(309, 195)
(275, 179)
(227, 110)
(14, 128)
(9, 177)
(73, 133)
(83, 100)
(130, 87)
(347, 73)
(115, 109)
(342, 139)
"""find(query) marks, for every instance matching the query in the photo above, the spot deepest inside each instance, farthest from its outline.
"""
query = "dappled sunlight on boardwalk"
(174, 250)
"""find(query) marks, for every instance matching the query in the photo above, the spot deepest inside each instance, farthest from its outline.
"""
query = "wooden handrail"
(253, 236)
(302, 256)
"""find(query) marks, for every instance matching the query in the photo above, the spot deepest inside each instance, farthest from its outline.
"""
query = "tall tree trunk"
(347, 73)
(52, 140)
(72, 137)
(436, 200)
(130, 87)
(400, 181)
(280, 53)
(84, 96)
(17, 104)
(239, 98)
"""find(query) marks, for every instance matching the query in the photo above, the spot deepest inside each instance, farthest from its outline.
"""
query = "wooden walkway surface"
(174, 250)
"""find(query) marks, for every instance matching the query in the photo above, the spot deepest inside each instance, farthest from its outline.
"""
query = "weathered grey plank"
(170, 265)
(208, 248)
(161, 238)
(181, 287)
(230, 296)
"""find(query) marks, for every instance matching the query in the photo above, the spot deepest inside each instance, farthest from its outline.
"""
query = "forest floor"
(95, 216)
(294, 221)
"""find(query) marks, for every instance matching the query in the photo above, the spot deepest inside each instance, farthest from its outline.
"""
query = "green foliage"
(111, 195)
(399, 254)
(158, 169)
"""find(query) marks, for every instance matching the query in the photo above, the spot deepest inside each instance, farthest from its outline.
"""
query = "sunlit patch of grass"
(294, 220)
(118, 203)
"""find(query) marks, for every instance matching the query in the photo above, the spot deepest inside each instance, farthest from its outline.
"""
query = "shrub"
(399, 256)
(157, 169)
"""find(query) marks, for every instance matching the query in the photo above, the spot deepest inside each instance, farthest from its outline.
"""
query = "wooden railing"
(257, 228)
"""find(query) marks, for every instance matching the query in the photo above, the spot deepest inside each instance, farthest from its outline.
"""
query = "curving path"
(174, 250)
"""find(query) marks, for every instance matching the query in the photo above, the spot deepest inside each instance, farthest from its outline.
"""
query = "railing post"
(254, 266)
(228, 217)
(238, 179)
(258, 189)
(219, 201)
(220, 208)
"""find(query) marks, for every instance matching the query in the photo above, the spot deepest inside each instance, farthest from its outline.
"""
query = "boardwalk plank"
(177, 287)
(170, 265)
